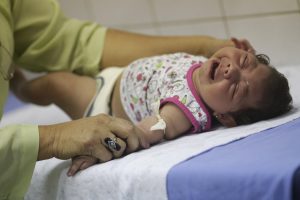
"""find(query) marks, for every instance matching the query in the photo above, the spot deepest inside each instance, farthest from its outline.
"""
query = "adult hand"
(243, 44)
(214, 44)
(102, 137)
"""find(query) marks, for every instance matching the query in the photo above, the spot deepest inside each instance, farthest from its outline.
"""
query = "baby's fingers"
(81, 163)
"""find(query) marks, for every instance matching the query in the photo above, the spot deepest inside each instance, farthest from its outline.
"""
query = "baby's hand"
(81, 163)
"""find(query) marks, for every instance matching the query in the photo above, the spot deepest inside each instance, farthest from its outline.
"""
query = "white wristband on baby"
(160, 125)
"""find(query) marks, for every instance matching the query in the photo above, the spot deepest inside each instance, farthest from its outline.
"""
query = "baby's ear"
(226, 119)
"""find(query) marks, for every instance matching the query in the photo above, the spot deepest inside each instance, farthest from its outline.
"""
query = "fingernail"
(112, 144)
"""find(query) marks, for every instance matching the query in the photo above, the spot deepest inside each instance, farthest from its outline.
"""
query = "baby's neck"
(196, 80)
(197, 73)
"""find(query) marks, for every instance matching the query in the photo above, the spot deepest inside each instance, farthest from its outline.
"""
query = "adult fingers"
(236, 42)
(101, 153)
(243, 44)
(248, 46)
(116, 145)
(125, 130)
(133, 143)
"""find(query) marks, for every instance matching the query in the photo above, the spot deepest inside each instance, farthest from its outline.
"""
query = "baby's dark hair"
(276, 99)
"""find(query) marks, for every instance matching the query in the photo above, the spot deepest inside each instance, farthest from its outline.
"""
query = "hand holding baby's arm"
(176, 124)
(176, 121)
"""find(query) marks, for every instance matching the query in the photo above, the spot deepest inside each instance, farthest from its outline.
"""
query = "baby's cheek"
(220, 97)
(220, 89)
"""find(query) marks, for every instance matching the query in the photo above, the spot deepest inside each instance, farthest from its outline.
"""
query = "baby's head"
(240, 87)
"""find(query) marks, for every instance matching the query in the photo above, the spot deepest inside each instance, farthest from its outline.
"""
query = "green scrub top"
(35, 35)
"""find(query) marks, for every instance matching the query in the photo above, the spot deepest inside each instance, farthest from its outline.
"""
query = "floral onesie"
(149, 83)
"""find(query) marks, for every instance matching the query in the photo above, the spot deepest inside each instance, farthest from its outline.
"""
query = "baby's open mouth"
(213, 70)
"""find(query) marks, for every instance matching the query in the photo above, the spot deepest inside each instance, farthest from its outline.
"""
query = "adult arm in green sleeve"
(22, 145)
(121, 47)
(19, 146)
(46, 40)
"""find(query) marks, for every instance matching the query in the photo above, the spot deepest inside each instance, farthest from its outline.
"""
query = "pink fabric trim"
(194, 92)
(186, 111)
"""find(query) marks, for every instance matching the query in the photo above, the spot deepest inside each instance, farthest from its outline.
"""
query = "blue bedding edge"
(261, 166)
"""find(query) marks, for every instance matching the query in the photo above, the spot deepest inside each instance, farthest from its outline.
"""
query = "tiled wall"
(273, 26)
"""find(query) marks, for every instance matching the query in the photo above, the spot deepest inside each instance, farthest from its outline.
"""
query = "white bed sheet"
(141, 175)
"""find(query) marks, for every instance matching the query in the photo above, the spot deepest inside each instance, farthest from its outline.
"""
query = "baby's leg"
(71, 92)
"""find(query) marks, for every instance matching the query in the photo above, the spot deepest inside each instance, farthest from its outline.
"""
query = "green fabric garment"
(18, 153)
(6, 48)
(38, 37)
(56, 42)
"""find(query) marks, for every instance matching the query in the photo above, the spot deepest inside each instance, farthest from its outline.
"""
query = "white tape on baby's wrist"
(160, 125)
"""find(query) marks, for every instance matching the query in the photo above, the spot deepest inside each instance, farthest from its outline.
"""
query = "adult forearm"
(122, 47)
(46, 143)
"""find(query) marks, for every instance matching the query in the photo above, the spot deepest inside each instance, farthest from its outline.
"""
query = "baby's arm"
(176, 124)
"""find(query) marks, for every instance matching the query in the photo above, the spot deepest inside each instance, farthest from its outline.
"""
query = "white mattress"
(141, 175)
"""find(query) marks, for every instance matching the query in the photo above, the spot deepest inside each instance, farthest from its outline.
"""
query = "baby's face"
(231, 80)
